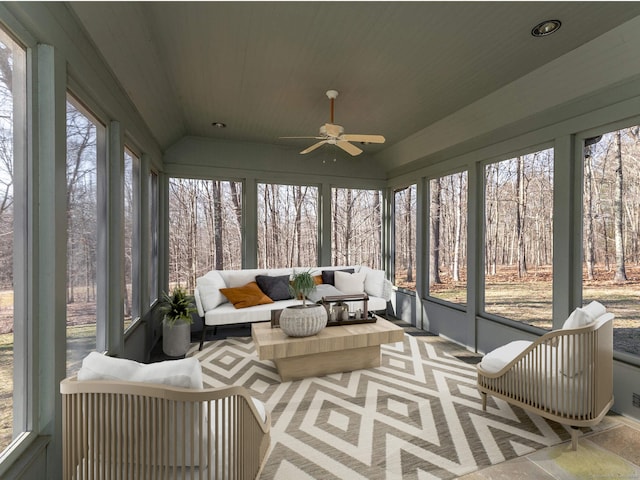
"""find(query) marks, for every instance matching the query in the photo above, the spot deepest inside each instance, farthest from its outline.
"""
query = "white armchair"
(565, 375)
(114, 428)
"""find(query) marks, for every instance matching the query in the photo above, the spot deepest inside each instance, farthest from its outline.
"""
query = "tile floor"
(612, 451)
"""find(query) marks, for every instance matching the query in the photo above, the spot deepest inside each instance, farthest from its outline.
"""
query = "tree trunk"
(334, 215)
(618, 212)
(434, 258)
(520, 218)
(217, 227)
(589, 234)
(458, 231)
(409, 249)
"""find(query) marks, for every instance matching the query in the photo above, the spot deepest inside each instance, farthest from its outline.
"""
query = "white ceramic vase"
(303, 320)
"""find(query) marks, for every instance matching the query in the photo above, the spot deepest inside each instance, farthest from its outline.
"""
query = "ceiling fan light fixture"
(219, 125)
(546, 28)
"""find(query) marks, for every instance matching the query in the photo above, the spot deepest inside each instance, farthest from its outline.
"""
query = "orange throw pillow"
(249, 295)
(317, 279)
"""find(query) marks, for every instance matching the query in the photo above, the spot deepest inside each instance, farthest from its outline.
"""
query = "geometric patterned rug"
(417, 416)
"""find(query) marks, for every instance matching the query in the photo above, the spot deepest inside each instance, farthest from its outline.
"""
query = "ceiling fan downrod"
(332, 94)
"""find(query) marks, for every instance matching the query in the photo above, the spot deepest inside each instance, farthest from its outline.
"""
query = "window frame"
(482, 232)
(578, 208)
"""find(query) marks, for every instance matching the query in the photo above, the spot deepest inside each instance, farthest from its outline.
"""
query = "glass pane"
(405, 238)
(12, 99)
(448, 238)
(287, 226)
(611, 231)
(519, 238)
(356, 227)
(82, 235)
(131, 308)
(205, 228)
(153, 237)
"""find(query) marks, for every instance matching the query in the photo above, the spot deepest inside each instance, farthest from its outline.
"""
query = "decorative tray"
(353, 321)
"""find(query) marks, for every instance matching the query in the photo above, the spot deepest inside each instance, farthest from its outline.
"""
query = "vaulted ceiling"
(263, 68)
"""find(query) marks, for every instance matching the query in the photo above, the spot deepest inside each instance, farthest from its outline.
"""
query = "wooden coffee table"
(335, 349)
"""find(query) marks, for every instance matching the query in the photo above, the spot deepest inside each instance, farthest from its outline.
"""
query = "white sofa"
(216, 310)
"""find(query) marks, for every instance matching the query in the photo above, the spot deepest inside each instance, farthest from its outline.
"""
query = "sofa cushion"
(248, 295)
(374, 281)
(328, 276)
(323, 290)
(276, 288)
(209, 287)
(350, 283)
(185, 373)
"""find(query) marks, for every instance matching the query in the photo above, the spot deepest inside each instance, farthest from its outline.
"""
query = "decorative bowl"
(303, 321)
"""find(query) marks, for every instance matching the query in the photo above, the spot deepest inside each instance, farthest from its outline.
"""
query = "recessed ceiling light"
(546, 28)
(219, 125)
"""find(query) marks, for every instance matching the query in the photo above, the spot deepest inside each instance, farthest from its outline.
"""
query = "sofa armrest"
(387, 290)
(196, 295)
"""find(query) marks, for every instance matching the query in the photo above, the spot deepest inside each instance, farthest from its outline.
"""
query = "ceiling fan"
(334, 135)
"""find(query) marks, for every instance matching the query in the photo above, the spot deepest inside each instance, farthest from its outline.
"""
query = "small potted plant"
(177, 308)
(306, 319)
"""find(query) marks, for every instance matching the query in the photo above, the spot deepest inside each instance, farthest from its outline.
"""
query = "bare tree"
(434, 258)
(620, 273)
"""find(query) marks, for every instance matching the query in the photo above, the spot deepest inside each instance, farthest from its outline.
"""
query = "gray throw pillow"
(276, 288)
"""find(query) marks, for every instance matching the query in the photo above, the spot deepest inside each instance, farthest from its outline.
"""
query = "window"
(82, 232)
(447, 241)
(611, 231)
(405, 237)
(356, 227)
(519, 238)
(205, 228)
(131, 238)
(287, 226)
(154, 218)
(12, 137)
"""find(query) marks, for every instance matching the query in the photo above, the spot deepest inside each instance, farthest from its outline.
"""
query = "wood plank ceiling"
(263, 67)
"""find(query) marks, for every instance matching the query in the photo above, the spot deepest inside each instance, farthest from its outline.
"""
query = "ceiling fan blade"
(354, 137)
(313, 147)
(347, 147)
(317, 138)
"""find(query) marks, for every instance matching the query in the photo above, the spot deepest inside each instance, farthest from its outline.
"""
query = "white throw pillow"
(350, 283)
(239, 278)
(374, 281)
(578, 318)
(209, 288)
(595, 309)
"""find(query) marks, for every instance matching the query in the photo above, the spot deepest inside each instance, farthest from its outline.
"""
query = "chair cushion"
(350, 283)
(209, 287)
(497, 359)
(248, 295)
(276, 288)
(185, 373)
